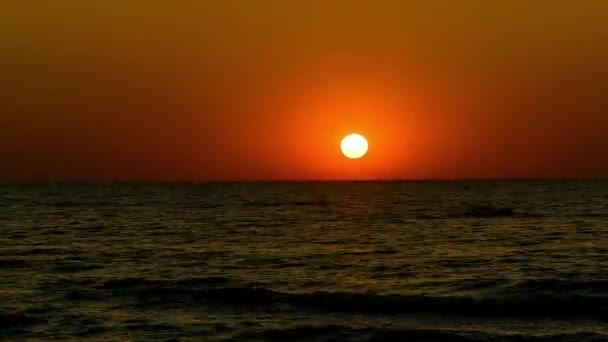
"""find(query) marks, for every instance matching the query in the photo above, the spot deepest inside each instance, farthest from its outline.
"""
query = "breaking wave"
(344, 333)
(525, 299)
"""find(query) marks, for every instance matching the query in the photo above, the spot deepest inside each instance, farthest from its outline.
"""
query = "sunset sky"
(264, 90)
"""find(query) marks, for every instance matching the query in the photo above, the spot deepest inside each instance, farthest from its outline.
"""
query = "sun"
(354, 146)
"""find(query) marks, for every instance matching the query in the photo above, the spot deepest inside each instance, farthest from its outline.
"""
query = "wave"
(11, 263)
(287, 204)
(557, 286)
(484, 211)
(478, 211)
(38, 251)
(135, 283)
(76, 267)
(520, 300)
(345, 333)
(14, 323)
(490, 211)
(24, 322)
(80, 203)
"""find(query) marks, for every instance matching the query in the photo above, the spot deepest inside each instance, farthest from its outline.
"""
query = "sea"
(305, 261)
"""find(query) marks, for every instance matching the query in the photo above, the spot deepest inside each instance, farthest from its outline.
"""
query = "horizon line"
(387, 180)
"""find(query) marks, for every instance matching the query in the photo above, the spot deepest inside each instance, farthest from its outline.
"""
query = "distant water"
(372, 261)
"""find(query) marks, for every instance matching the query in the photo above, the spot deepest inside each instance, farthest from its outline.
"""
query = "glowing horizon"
(224, 91)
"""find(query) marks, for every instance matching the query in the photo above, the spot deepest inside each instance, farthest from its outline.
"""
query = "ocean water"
(305, 261)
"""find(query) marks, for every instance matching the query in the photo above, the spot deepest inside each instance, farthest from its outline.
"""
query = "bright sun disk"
(354, 146)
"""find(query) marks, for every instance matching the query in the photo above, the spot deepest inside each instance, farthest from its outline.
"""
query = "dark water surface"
(373, 261)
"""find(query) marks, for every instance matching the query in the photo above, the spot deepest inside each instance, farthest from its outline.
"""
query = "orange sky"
(264, 89)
